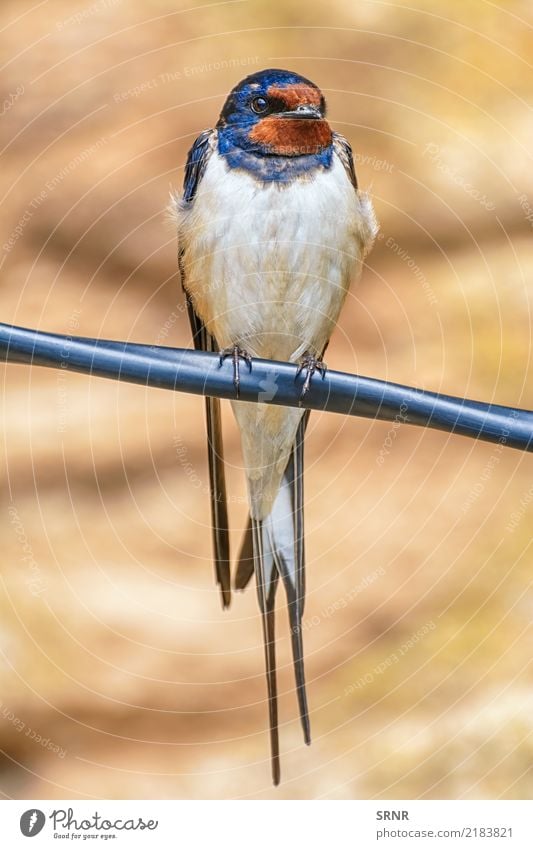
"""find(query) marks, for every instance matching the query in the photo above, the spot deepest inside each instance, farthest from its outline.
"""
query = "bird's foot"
(237, 354)
(310, 364)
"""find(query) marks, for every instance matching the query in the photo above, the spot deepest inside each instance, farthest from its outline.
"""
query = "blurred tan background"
(120, 676)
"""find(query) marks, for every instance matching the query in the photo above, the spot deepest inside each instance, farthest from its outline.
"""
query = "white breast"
(268, 265)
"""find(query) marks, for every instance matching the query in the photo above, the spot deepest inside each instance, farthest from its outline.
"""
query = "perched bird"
(271, 230)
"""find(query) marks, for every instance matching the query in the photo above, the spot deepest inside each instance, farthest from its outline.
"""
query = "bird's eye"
(259, 104)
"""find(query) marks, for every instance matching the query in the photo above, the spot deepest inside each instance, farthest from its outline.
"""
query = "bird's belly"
(268, 267)
(282, 308)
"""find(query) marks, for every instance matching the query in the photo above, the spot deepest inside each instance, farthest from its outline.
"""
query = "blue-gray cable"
(200, 373)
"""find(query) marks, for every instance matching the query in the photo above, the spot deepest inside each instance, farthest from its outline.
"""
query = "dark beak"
(303, 111)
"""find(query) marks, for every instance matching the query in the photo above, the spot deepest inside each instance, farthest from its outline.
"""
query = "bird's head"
(275, 113)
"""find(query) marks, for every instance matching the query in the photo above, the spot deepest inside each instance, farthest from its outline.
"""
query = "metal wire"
(270, 382)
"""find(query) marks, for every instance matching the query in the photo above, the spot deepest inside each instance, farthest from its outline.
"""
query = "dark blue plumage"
(279, 169)
(240, 146)
(196, 162)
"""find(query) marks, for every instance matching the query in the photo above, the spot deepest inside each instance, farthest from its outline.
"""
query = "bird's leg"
(236, 353)
(311, 364)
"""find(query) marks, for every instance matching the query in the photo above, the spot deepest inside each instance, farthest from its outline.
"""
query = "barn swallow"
(271, 230)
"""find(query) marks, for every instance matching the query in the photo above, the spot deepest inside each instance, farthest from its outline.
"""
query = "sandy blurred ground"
(120, 676)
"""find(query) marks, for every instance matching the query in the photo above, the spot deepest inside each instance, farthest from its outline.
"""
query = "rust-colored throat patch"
(292, 136)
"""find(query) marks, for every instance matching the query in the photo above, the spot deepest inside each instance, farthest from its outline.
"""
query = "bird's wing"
(197, 159)
(368, 224)
(204, 341)
(344, 151)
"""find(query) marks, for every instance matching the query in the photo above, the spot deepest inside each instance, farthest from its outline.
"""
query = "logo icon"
(32, 822)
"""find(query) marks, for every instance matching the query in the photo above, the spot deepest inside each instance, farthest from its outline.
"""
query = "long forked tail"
(290, 559)
(267, 580)
(275, 547)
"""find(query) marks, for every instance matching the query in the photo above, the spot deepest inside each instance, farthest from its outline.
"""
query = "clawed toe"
(311, 365)
(237, 354)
